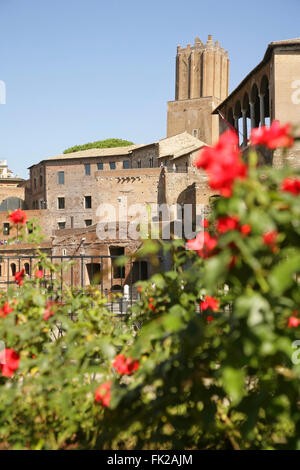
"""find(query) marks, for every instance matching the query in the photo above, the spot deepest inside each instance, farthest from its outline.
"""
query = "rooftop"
(90, 153)
(179, 145)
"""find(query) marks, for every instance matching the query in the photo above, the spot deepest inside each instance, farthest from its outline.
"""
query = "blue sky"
(83, 70)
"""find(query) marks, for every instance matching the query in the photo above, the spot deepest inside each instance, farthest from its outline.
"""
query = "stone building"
(271, 91)
(202, 80)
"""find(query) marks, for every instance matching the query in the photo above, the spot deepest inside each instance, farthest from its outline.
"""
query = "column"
(252, 115)
(245, 130)
(236, 123)
(262, 109)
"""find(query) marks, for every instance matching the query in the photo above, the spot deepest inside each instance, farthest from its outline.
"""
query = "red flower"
(223, 163)
(39, 274)
(270, 238)
(273, 137)
(291, 185)
(140, 289)
(224, 224)
(103, 394)
(151, 306)
(18, 217)
(125, 366)
(204, 244)
(48, 312)
(5, 310)
(205, 223)
(19, 277)
(210, 303)
(209, 318)
(293, 321)
(9, 362)
(245, 229)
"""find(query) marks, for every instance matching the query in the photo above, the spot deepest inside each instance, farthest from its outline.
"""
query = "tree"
(99, 144)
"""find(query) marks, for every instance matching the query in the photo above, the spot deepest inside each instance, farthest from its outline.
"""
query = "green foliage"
(100, 144)
(229, 383)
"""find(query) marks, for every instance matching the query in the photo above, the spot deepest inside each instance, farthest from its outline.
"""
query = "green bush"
(100, 144)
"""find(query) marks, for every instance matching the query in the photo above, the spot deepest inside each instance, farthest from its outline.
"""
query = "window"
(88, 222)
(41, 180)
(61, 202)
(88, 202)
(118, 271)
(139, 164)
(100, 166)
(34, 183)
(13, 269)
(151, 162)
(87, 168)
(27, 268)
(94, 273)
(61, 177)
(195, 132)
(6, 228)
(139, 271)
(126, 164)
(61, 225)
(112, 165)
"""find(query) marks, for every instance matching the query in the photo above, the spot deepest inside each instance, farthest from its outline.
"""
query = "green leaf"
(234, 383)
(282, 276)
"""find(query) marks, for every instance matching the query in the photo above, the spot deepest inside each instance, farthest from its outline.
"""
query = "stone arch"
(230, 116)
(264, 91)
(254, 106)
(11, 204)
(13, 268)
(27, 268)
(246, 119)
(237, 115)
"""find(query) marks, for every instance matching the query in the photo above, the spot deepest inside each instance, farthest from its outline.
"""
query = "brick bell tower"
(202, 76)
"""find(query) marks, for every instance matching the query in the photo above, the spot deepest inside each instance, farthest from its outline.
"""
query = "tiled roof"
(107, 152)
(179, 145)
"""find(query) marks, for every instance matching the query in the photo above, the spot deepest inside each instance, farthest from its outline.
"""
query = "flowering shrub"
(207, 358)
(224, 375)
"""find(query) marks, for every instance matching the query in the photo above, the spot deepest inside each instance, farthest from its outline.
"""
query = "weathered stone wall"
(190, 115)
(287, 99)
(138, 187)
(43, 219)
(7, 190)
(143, 155)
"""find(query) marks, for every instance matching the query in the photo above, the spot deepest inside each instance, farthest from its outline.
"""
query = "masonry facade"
(202, 80)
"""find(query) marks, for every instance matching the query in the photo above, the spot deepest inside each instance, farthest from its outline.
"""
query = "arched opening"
(237, 116)
(246, 119)
(254, 107)
(230, 117)
(27, 269)
(265, 100)
(13, 269)
(11, 204)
